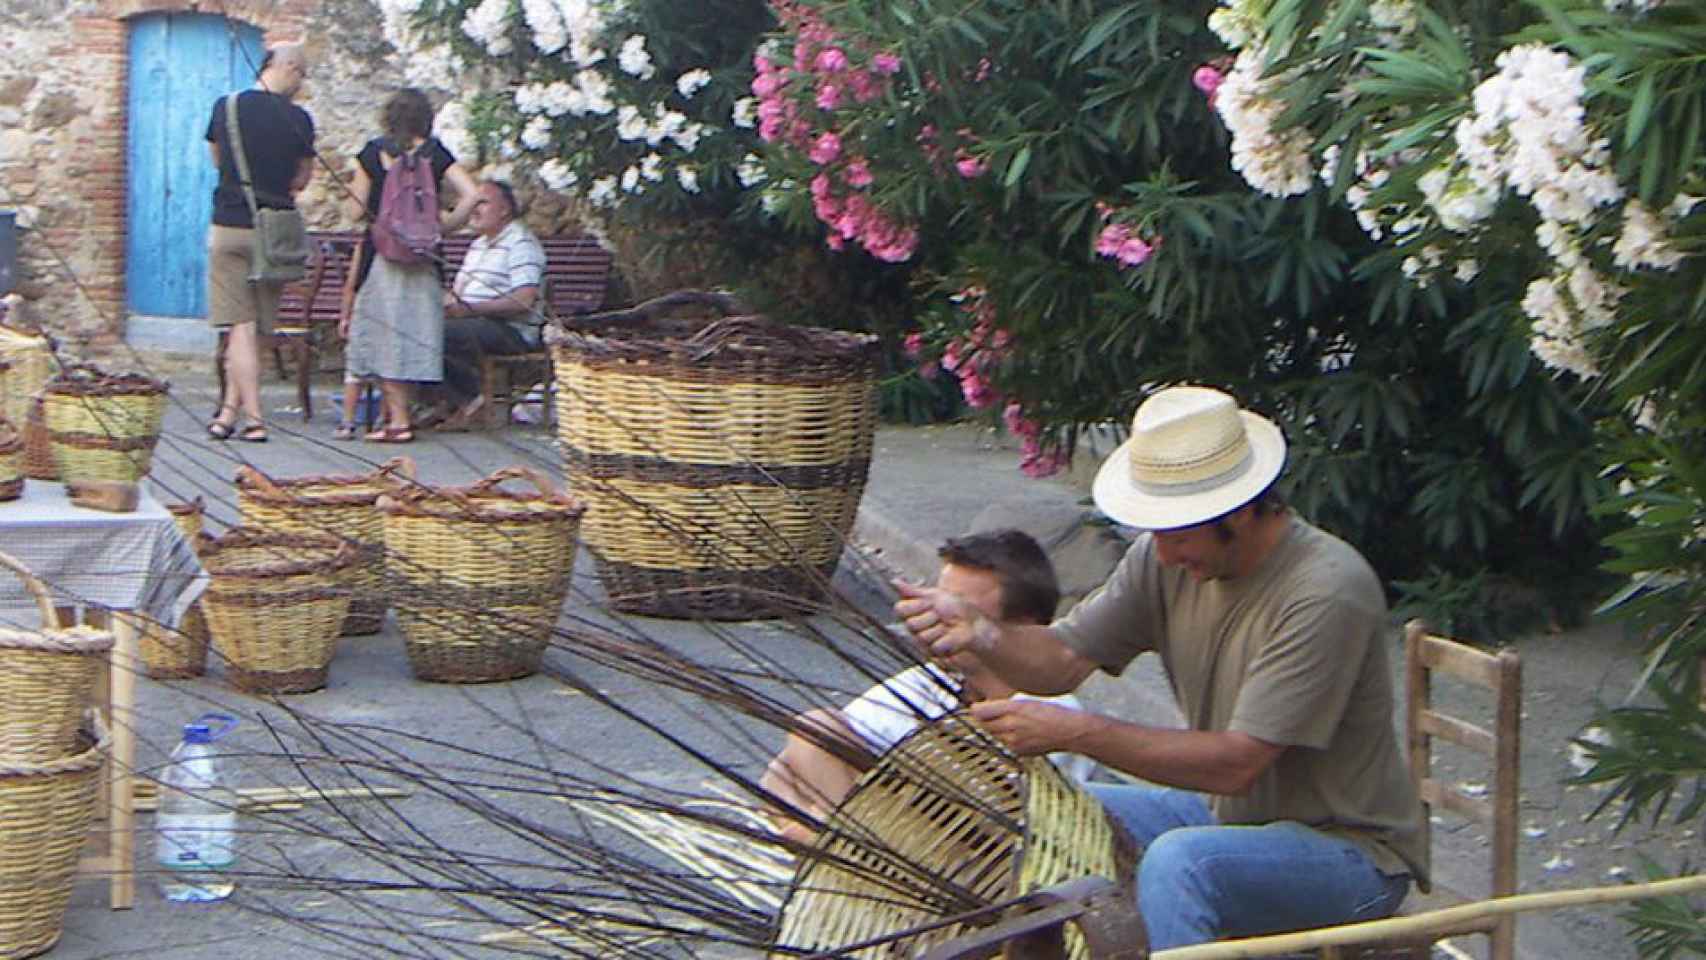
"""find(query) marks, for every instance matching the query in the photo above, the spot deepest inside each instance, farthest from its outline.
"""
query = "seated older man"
(493, 306)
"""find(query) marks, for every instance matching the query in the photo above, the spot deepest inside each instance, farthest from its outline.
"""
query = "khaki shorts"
(231, 298)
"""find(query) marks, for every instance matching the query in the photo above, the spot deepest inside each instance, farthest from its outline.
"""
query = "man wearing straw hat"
(1286, 803)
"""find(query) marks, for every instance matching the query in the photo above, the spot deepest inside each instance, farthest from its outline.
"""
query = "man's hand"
(1029, 728)
(946, 626)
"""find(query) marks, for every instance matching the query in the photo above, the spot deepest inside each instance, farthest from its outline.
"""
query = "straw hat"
(1193, 456)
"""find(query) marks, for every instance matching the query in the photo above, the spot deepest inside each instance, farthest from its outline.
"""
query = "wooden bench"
(577, 272)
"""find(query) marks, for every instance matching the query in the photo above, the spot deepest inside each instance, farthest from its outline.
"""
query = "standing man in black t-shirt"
(278, 140)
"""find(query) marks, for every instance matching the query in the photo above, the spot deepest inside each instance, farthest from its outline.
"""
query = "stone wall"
(63, 138)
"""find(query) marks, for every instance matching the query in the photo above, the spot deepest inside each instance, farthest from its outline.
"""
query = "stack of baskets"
(478, 574)
(340, 506)
(103, 426)
(29, 365)
(179, 654)
(721, 462)
(275, 606)
(50, 765)
(948, 821)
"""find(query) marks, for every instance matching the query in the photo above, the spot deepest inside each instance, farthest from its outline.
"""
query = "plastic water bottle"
(197, 816)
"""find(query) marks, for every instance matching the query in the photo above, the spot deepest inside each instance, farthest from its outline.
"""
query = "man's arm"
(516, 301)
(213, 151)
(1028, 657)
(1226, 763)
(304, 173)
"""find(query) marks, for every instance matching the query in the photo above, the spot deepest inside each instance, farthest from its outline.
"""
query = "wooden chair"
(1033, 931)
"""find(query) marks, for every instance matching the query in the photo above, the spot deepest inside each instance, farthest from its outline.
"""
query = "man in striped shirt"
(494, 305)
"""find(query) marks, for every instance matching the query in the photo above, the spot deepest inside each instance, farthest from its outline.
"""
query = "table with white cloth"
(115, 567)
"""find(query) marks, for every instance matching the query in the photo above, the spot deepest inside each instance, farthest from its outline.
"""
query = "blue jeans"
(1201, 881)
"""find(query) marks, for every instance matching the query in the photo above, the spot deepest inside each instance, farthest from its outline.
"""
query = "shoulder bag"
(281, 239)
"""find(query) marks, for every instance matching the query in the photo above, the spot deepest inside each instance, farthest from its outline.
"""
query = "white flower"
(603, 192)
(450, 125)
(633, 58)
(1466, 270)
(509, 149)
(631, 179)
(651, 167)
(666, 124)
(746, 112)
(537, 134)
(688, 137)
(773, 201)
(557, 175)
(585, 51)
(1395, 17)
(1644, 241)
(594, 90)
(1238, 24)
(692, 81)
(750, 171)
(630, 123)
(688, 177)
(545, 19)
(487, 25)
(1273, 162)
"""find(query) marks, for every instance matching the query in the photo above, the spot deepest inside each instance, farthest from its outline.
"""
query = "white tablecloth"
(124, 561)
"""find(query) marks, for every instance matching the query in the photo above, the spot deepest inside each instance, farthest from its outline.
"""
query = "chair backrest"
(1501, 673)
(318, 299)
(577, 271)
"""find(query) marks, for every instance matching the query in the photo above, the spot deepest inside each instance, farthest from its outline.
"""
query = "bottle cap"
(197, 733)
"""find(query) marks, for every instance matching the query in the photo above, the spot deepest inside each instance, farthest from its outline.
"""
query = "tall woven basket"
(30, 364)
(721, 461)
(340, 506)
(45, 810)
(11, 461)
(275, 606)
(103, 426)
(47, 678)
(479, 574)
(38, 449)
(179, 654)
(947, 822)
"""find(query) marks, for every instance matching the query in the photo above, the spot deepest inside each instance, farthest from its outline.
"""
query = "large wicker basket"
(721, 462)
(11, 461)
(275, 606)
(946, 823)
(38, 449)
(479, 574)
(103, 426)
(30, 364)
(47, 678)
(45, 811)
(340, 506)
(179, 654)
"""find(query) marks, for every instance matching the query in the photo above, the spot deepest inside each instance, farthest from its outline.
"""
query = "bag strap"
(234, 133)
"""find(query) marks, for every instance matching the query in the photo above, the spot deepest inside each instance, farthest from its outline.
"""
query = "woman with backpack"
(395, 332)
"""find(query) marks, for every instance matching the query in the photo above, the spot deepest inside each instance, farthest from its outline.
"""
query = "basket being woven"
(45, 810)
(275, 606)
(340, 506)
(103, 426)
(47, 678)
(947, 822)
(479, 574)
(721, 462)
(11, 461)
(179, 654)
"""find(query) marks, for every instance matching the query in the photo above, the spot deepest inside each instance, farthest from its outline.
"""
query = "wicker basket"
(11, 461)
(947, 822)
(103, 426)
(339, 506)
(478, 574)
(29, 366)
(275, 606)
(38, 449)
(47, 678)
(45, 811)
(179, 654)
(721, 462)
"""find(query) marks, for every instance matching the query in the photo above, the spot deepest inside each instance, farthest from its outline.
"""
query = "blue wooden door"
(180, 63)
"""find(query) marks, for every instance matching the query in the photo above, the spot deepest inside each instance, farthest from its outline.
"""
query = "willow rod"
(1433, 921)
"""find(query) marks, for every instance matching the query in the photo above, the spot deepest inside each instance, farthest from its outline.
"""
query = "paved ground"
(926, 484)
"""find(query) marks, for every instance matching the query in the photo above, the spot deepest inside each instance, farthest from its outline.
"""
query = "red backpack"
(406, 230)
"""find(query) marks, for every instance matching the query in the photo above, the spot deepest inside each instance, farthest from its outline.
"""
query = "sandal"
(220, 430)
(254, 433)
(345, 431)
(391, 435)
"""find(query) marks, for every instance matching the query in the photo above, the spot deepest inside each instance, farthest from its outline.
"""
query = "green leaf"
(1640, 109)
(1016, 169)
(1100, 31)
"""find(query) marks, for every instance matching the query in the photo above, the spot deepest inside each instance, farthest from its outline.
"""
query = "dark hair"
(1029, 590)
(1268, 502)
(408, 113)
(509, 198)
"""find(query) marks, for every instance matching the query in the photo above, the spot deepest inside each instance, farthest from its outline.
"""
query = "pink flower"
(1033, 462)
(826, 149)
(767, 85)
(913, 344)
(1208, 80)
(770, 129)
(865, 87)
(951, 355)
(930, 370)
(983, 68)
(831, 60)
(1002, 340)
(858, 173)
(1112, 236)
(970, 167)
(827, 208)
(1013, 416)
(762, 64)
(828, 96)
(821, 185)
(834, 241)
(886, 63)
(1133, 252)
(977, 393)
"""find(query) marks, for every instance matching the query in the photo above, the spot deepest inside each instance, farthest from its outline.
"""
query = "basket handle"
(37, 589)
(257, 479)
(539, 480)
(717, 332)
(401, 466)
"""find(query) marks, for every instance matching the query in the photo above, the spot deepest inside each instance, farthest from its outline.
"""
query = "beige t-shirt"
(1294, 654)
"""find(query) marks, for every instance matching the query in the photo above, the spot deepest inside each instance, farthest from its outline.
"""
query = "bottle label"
(192, 842)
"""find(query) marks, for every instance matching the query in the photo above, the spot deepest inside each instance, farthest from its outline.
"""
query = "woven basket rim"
(483, 502)
(89, 381)
(294, 492)
(94, 740)
(703, 342)
(189, 508)
(78, 640)
(342, 553)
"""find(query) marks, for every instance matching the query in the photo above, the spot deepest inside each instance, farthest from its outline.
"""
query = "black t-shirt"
(277, 134)
(437, 154)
